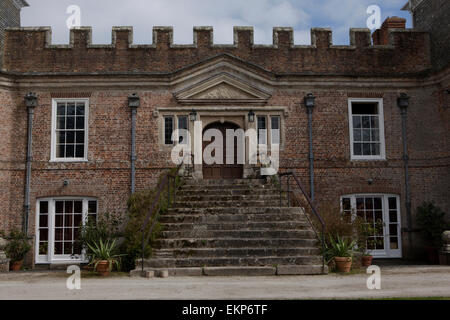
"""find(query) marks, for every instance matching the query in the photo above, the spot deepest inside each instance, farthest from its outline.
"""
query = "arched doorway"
(222, 171)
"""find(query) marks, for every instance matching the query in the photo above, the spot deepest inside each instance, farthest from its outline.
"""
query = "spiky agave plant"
(340, 247)
(104, 251)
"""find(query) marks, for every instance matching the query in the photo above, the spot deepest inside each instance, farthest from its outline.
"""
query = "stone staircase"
(234, 227)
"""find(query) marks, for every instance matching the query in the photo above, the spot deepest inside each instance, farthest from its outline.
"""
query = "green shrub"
(18, 246)
(431, 219)
(139, 205)
(107, 228)
(339, 247)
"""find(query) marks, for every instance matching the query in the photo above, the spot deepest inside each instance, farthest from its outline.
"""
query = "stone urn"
(4, 261)
(444, 254)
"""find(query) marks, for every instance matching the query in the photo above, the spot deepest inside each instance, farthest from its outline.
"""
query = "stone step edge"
(282, 270)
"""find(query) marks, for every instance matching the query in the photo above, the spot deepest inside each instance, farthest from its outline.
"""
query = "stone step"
(243, 225)
(226, 198)
(232, 261)
(225, 182)
(238, 234)
(238, 271)
(230, 204)
(200, 187)
(234, 243)
(230, 192)
(236, 210)
(237, 218)
(235, 252)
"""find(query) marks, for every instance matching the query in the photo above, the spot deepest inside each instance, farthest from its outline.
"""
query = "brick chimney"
(380, 36)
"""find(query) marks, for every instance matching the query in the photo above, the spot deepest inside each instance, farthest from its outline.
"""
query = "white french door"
(58, 227)
(382, 211)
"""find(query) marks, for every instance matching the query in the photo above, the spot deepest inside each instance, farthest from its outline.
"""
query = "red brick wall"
(30, 51)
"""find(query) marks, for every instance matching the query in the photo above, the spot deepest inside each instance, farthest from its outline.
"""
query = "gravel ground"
(396, 282)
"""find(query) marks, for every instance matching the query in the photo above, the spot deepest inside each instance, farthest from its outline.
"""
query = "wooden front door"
(222, 171)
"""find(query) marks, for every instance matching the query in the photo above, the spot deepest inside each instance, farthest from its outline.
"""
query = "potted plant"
(102, 256)
(16, 249)
(341, 250)
(365, 231)
(431, 220)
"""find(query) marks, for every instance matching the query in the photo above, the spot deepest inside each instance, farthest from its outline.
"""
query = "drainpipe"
(133, 103)
(403, 103)
(309, 103)
(31, 103)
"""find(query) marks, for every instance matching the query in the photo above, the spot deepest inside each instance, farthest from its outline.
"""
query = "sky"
(222, 15)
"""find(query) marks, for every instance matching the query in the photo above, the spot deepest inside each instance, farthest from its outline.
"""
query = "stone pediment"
(222, 89)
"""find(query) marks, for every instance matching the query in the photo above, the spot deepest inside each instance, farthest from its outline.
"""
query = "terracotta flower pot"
(343, 264)
(366, 261)
(16, 265)
(103, 268)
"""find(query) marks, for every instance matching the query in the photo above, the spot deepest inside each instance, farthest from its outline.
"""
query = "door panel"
(222, 171)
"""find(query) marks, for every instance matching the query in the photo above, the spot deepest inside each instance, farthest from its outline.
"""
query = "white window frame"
(53, 157)
(382, 155)
(50, 257)
(386, 252)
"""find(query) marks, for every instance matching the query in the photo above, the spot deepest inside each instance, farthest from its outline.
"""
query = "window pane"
(58, 233)
(58, 220)
(182, 125)
(43, 234)
(61, 109)
(392, 203)
(43, 221)
(77, 219)
(366, 134)
(357, 122)
(61, 123)
(366, 149)
(357, 135)
(59, 206)
(374, 122)
(346, 204)
(43, 207)
(60, 137)
(70, 137)
(275, 128)
(375, 149)
(60, 151)
(393, 229)
(79, 137)
(70, 123)
(168, 130)
(80, 109)
(68, 220)
(80, 123)
(357, 149)
(366, 122)
(43, 247)
(394, 242)
(375, 135)
(262, 130)
(68, 206)
(78, 207)
(364, 108)
(92, 206)
(70, 151)
(79, 151)
(392, 216)
(58, 247)
(70, 109)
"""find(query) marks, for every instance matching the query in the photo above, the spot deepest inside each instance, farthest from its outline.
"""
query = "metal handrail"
(154, 209)
(311, 205)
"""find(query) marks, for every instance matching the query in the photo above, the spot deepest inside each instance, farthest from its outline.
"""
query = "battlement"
(30, 50)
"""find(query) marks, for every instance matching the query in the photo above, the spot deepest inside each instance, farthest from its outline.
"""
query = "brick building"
(80, 121)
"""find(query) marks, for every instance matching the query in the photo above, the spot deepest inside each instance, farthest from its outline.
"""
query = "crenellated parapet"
(30, 50)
